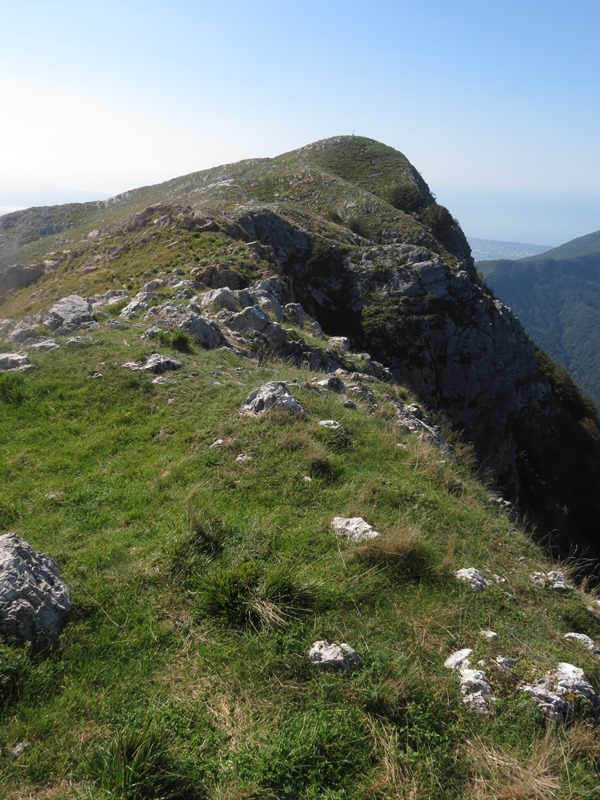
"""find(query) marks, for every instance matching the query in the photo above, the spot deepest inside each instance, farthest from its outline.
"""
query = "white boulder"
(329, 655)
(474, 577)
(271, 396)
(559, 692)
(354, 528)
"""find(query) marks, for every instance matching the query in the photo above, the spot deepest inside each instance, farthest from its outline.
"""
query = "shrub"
(406, 198)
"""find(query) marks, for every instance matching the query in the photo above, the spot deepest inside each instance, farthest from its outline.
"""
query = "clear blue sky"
(496, 103)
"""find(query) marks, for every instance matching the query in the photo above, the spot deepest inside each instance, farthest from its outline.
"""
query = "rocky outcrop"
(9, 362)
(34, 602)
(156, 363)
(69, 313)
(205, 333)
(474, 685)
(270, 397)
(563, 693)
(17, 276)
(473, 577)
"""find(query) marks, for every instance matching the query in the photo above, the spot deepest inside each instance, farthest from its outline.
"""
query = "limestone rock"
(459, 659)
(298, 317)
(474, 686)
(559, 692)
(332, 425)
(69, 312)
(155, 363)
(333, 383)
(475, 690)
(23, 332)
(270, 396)
(354, 528)
(266, 301)
(334, 656)
(12, 361)
(45, 344)
(585, 640)
(473, 577)
(489, 635)
(250, 319)
(34, 602)
(204, 332)
(132, 308)
(554, 579)
(222, 298)
(413, 420)
(506, 664)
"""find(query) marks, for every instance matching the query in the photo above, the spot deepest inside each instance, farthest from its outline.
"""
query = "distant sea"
(9, 209)
(490, 250)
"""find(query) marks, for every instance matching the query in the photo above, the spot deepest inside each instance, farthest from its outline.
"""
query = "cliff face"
(355, 235)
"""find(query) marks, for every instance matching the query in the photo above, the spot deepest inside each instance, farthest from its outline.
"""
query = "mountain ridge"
(361, 244)
(282, 575)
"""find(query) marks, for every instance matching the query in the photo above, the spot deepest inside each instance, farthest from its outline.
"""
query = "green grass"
(199, 582)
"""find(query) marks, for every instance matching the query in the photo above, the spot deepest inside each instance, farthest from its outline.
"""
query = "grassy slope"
(116, 478)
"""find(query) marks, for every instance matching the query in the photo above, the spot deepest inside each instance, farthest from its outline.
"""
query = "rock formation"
(34, 602)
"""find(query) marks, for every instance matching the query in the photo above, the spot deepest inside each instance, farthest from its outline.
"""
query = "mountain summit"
(355, 236)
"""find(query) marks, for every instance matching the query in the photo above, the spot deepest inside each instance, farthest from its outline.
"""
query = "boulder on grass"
(270, 396)
(333, 656)
(34, 602)
(354, 528)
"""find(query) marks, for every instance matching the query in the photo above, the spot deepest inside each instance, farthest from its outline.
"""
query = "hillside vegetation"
(159, 533)
(196, 535)
(557, 298)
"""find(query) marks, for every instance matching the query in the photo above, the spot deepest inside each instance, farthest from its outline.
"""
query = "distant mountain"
(486, 249)
(556, 295)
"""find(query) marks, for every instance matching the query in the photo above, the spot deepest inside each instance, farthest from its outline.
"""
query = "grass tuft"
(12, 388)
(500, 776)
(403, 554)
(136, 765)
(243, 596)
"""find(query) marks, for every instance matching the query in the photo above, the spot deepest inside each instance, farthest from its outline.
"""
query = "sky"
(496, 104)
